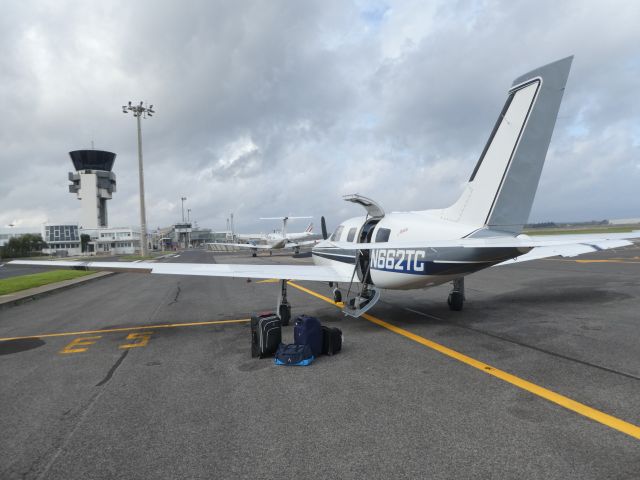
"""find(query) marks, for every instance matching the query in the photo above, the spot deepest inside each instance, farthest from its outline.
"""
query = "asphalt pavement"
(87, 391)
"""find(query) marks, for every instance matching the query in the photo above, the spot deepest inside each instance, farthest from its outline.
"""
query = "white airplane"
(407, 250)
(274, 241)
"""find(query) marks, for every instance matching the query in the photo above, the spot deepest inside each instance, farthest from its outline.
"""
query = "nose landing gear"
(456, 297)
(284, 307)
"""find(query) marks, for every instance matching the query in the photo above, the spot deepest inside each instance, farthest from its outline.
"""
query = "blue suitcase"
(308, 331)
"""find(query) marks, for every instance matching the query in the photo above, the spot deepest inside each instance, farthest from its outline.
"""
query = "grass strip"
(24, 282)
(138, 257)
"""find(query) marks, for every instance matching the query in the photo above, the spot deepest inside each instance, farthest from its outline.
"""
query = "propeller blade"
(323, 225)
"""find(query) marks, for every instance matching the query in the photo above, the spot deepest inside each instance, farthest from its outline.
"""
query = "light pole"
(183, 199)
(188, 215)
(141, 111)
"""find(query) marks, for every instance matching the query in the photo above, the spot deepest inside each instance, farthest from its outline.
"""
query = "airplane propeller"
(323, 225)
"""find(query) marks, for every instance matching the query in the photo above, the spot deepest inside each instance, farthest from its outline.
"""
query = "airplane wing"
(320, 273)
(301, 244)
(244, 245)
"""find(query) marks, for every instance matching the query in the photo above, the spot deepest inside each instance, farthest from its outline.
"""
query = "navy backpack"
(294, 355)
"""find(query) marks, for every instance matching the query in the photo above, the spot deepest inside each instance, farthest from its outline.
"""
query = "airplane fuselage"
(408, 268)
(275, 240)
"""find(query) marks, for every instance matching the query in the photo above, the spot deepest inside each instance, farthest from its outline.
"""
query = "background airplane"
(407, 250)
(276, 240)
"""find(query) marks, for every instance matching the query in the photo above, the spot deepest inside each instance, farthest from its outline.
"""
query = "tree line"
(26, 245)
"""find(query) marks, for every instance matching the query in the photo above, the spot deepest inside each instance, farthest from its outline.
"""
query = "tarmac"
(150, 376)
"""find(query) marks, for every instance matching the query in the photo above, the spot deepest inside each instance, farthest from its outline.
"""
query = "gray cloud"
(280, 107)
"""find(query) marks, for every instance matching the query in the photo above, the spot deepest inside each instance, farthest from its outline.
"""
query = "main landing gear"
(337, 294)
(284, 308)
(456, 297)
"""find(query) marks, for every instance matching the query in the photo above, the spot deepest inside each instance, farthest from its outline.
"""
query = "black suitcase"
(266, 334)
(331, 340)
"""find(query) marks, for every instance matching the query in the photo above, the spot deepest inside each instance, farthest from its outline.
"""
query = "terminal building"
(61, 239)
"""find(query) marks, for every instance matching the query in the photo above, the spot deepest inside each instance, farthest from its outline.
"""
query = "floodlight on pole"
(140, 111)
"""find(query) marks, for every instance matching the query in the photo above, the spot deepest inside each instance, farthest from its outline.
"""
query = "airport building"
(185, 235)
(61, 239)
(94, 183)
(114, 241)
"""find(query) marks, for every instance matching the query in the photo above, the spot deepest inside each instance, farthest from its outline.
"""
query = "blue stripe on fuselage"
(410, 262)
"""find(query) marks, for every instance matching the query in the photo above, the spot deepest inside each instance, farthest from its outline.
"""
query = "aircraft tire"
(455, 301)
(337, 296)
(285, 314)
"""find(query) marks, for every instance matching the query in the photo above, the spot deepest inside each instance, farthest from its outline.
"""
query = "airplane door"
(364, 275)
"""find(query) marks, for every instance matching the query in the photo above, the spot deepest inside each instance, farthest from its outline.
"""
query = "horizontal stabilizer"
(566, 251)
(522, 241)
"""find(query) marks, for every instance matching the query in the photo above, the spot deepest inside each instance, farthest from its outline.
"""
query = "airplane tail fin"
(309, 229)
(501, 189)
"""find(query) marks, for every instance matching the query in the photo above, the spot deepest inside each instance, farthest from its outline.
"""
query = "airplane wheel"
(337, 296)
(285, 314)
(455, 301)
(254, 254)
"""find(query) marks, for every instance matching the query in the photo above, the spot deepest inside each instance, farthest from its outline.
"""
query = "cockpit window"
(382, 235)
(336, 235)
(352, 233)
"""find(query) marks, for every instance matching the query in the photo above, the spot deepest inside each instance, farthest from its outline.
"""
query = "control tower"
(93, 183)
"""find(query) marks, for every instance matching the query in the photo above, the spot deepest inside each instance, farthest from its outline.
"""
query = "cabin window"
(352, 234)
(336, 235)
(382, 235)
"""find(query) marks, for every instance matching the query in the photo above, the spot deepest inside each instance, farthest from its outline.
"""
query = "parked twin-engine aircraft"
(274, 241)
(405, 250)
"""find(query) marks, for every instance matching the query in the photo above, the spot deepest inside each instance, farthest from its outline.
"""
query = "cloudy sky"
(277, 107)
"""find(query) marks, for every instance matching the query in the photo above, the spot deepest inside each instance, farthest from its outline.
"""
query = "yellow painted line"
(577, 407)
(129, 329)
(611, 260)
(269, 280)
